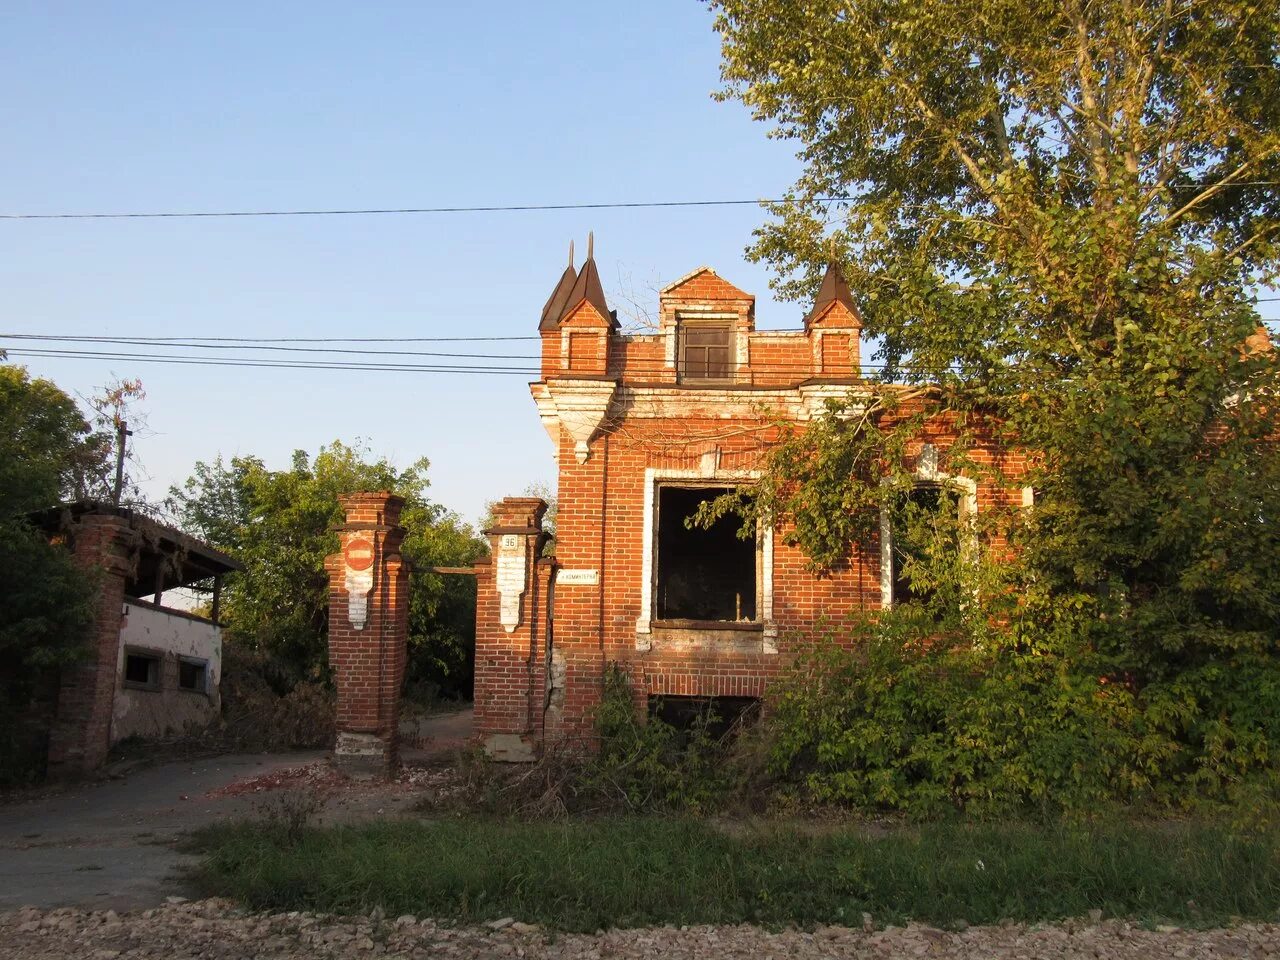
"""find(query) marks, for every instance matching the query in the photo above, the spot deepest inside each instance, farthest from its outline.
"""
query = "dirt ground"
(113, 844)
(92, 871)
(215, 929)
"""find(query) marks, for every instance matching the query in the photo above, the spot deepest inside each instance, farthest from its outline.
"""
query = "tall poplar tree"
(1056, 215)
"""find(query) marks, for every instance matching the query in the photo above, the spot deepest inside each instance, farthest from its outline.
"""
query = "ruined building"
(646, 427)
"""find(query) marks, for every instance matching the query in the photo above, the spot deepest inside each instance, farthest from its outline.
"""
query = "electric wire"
(502, 208)
(343, 364)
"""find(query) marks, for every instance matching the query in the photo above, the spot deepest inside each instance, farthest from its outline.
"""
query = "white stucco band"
(709, 474)
(576, 406)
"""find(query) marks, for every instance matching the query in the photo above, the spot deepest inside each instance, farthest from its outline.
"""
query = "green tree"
(1053, 215)
(48, 453)
(279, 524)
(46, 450)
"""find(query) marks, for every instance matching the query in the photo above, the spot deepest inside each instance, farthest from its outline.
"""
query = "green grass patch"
(620, 872)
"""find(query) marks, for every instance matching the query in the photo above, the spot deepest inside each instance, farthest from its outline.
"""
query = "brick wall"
(81, 735)
(368, 661)
(511, 645)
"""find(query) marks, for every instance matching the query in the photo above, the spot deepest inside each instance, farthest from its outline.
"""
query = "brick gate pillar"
(512, 625)
(368, 632)
(81, 735)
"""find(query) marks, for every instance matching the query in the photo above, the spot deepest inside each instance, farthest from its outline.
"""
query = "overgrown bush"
(264, 707)
(895, 719)
(44, 621)
(639, 765)
(645, 763)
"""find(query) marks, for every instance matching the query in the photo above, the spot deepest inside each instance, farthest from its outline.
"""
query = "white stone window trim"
(709, 474)
(927, 472)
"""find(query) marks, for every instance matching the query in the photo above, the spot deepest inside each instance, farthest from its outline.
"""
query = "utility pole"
(123, 433)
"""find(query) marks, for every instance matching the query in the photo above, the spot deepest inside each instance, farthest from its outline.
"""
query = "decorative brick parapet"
(512, 625)
(368, 633)
(104, 546)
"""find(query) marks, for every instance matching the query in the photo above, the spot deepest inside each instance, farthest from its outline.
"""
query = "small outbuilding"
(151, 669)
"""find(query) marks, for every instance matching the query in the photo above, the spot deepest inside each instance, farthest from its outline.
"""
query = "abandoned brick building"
(645, 427)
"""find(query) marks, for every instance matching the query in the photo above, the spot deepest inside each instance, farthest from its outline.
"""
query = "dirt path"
(113, 844)
(212, 929)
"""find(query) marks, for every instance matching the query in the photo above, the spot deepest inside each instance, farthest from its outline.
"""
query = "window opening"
(706, 574)
(716, 717)
(705, 351)
(142, 670)
(929, 512)
(192, 674)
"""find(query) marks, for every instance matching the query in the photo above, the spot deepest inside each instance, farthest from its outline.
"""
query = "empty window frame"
(193, 675)
(705, 575)
(141, 670)
(706, 351)
(929, 513)
(714, 717)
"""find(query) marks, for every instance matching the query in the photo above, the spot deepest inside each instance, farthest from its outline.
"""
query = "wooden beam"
(464, 571)
(217, 598)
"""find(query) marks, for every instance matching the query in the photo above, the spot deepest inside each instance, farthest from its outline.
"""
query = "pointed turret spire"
(588, 287)
(833, 290)
(559, 296)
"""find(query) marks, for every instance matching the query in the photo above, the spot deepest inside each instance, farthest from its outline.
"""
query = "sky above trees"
(150, 107)
(238, 106)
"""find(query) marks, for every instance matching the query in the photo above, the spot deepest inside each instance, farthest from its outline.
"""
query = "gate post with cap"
(368, 633)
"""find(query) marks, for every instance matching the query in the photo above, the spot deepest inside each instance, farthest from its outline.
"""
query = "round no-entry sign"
(358, 553)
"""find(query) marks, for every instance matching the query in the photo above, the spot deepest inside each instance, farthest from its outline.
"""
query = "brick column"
(368, 632)
(81, 734)
(512, 623)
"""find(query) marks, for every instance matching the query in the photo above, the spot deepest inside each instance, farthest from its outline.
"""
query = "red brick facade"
(81, 734)
(367, 643)
(512, 627)
(628, 422)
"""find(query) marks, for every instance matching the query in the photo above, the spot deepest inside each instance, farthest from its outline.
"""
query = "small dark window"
(191, 675)
(142, 670)
(705, 351)
(703, 574)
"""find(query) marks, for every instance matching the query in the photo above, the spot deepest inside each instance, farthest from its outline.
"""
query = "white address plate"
(577, 576)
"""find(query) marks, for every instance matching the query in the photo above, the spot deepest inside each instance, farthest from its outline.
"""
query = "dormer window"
(706, 352)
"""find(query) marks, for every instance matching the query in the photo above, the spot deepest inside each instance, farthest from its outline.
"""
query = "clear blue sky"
(182, 106)
(177, 106)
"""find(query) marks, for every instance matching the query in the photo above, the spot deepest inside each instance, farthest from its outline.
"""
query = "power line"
(276, 364)
(380, 211)
(248, 340)
(643, 366)
(799, 371)
(334, 357)
(348, 358)
(497, 208)
(655, 366)
(201, 343)
(632, 363)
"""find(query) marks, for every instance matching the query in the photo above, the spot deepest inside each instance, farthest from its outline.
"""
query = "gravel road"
(216, 930)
